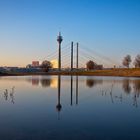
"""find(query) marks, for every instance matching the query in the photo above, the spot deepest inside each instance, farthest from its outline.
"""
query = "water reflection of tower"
(72, 90)
(76, 90)
(58, 106)
(59, 40)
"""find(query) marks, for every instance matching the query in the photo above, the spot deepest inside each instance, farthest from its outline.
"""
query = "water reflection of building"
(35, 82)
(45, 82)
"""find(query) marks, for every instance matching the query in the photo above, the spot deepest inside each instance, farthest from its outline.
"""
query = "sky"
(28, 29)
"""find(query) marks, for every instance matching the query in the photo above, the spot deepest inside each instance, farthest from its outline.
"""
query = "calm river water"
(69, 108)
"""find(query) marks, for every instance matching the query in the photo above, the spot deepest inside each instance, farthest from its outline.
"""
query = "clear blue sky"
(28, 28)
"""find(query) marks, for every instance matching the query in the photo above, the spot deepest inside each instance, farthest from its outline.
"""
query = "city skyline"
(29, 28)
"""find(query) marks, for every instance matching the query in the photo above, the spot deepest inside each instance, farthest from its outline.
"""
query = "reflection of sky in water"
(100, 108)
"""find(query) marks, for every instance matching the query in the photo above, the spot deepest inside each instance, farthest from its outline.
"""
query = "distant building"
(35, 63)
(98, 67)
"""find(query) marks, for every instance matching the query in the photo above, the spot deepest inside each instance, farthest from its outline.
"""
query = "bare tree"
(46, 65)
(126, 61)
(137, 61)
(90, 65)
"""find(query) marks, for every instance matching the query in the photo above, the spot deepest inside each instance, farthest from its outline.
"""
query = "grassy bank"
(132, 72)
(113, 72)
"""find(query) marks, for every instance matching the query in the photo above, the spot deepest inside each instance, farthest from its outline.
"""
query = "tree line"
(127, 61)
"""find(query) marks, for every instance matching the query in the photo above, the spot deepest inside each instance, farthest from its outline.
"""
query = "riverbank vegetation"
(126, 72)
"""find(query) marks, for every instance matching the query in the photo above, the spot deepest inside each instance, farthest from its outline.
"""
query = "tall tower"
(59, 40)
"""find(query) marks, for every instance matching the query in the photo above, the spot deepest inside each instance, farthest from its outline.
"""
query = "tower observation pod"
(59, 40)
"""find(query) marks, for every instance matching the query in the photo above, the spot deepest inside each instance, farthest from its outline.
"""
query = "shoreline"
(133, 72)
